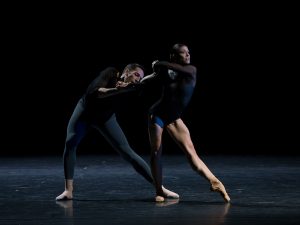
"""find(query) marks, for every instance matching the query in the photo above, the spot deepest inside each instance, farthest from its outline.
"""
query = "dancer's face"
(183, 55)
(134, 76)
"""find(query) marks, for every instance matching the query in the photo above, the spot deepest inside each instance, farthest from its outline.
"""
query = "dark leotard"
(178, 83)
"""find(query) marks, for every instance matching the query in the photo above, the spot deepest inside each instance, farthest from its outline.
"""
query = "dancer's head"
(133, 73)
(180, 54)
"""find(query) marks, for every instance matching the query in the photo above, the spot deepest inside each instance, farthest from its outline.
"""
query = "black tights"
(112, 132)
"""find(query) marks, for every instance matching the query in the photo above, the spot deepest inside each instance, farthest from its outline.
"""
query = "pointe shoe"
(159, 198)
(219, 187)
(169, 194)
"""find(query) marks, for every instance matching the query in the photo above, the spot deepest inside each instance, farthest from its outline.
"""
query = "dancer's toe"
(219, 187)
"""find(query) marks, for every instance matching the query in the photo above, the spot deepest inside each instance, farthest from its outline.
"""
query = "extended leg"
(180, 133)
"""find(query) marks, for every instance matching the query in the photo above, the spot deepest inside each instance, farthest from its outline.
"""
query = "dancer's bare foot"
(219, 187)
(66, 195)
(159, 198)
(169, 194)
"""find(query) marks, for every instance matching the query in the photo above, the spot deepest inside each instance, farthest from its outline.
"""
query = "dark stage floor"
(264, 190)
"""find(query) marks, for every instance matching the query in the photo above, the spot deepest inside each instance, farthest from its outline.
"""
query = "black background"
(247, 95)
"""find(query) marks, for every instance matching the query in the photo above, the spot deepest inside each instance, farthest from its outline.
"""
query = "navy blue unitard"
(97, 110)
(178, 82)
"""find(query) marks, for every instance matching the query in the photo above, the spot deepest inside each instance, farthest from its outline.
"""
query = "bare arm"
(188, 69)
(117, 91)
(119, 85)
(106, 90)
(149, 77)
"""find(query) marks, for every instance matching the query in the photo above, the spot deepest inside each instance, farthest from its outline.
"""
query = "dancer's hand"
(121, 84)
